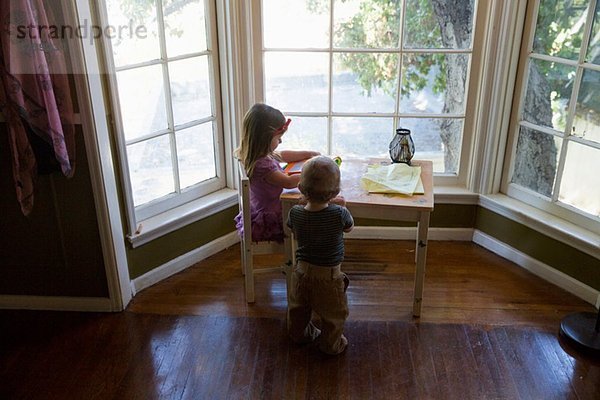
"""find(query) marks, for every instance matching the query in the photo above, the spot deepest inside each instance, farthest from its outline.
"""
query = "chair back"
(244, 200)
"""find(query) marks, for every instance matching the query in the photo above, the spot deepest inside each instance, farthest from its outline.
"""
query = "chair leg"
(249, 275)
(243, 256)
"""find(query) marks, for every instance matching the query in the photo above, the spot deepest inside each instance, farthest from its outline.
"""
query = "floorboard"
(488, 330)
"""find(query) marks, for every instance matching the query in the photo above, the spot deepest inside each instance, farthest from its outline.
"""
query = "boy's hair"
(320, 179)
(260, 122)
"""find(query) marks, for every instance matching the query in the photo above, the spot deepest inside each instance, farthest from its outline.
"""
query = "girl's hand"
(281, 179)
(302, 200)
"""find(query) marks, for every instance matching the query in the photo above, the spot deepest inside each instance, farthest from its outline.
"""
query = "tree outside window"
(557, 151)
(352, 71)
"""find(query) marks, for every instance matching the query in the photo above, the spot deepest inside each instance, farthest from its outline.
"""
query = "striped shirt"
(320, 234)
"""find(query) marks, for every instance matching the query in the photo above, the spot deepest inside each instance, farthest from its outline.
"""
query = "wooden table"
(394, 207)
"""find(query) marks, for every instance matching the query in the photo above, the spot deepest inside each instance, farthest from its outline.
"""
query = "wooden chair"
(250, 248)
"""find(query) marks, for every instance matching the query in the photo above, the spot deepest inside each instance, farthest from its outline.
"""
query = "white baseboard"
(360, 232)
(182, 262)
(538, 268)
(56, 303)
(408, 233)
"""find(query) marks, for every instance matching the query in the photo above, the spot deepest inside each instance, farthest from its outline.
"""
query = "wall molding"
(408, 233)
(95, 304)
(182, 262)
(360, 232)
(57, 303)
(538, 268)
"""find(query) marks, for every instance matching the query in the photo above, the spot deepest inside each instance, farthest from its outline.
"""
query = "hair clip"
(283, 127)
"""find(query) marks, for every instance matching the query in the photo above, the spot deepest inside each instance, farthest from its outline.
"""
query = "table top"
(353, 169)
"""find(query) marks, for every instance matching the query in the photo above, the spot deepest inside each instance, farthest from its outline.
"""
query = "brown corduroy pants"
(322, 290)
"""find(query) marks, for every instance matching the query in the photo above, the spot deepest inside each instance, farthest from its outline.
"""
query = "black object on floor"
(582, 331)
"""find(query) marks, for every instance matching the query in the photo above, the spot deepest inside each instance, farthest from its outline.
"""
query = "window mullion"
(567, 133)
(400, 53)
(167, 89)
(588, 31)
(330, 81)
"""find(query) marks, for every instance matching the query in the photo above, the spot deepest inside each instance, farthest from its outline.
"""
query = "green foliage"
(559, 28)
(318, 6)
(416, 69)
(377, 25)
(139, 11)
(559, 33)
(143, 11)
(422, 29)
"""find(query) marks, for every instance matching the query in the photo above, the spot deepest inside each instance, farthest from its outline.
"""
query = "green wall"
(56, 250)
(572, 262)
(443, 216)
(160, 251)
(164, 249)
(552, 252)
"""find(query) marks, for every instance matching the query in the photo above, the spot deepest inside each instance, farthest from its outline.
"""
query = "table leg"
(422, 231)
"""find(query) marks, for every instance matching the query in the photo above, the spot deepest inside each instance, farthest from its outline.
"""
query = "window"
(349, 72)
(555, 155)
(163, 60)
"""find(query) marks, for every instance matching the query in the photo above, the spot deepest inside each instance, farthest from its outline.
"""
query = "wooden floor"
(488, 330)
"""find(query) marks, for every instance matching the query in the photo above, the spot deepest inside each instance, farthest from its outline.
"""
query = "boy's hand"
(339, 200)
(302, 200)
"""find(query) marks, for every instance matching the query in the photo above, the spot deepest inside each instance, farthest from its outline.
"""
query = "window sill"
(454, 195)
(167, 222)
(543, 222)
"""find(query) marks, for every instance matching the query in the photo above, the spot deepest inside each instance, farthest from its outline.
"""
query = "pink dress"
(265, 206)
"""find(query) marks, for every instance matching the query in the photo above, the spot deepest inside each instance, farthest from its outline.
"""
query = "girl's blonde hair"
(260, 122)
(320, 179)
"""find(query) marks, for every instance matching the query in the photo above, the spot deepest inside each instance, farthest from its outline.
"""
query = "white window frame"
(553, 205)
(148, 222)
(481, 10)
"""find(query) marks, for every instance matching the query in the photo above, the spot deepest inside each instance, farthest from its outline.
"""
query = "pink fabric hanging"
(35, 96)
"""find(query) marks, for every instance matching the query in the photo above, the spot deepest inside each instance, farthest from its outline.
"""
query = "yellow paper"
(393, 178)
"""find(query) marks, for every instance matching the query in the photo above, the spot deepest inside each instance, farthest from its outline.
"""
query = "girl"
(263, 128)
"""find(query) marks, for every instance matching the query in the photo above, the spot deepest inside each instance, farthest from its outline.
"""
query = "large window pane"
(549, 89)
(366, 23)
(586, 122)
(355, 85)
(426, 86)
(424, 18)
(195, 154)
(351, 94)
(559, 69)
(170, 120)
(306, 133)
(185, 27)
(150, 169)
(536, 160)
(142, 100)
(297, 81)
(190, 89)
(559, 28)
(295, 23)
(432, 137)
(580, 185)
(593, 53)
(134, 32)
(362, 137)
